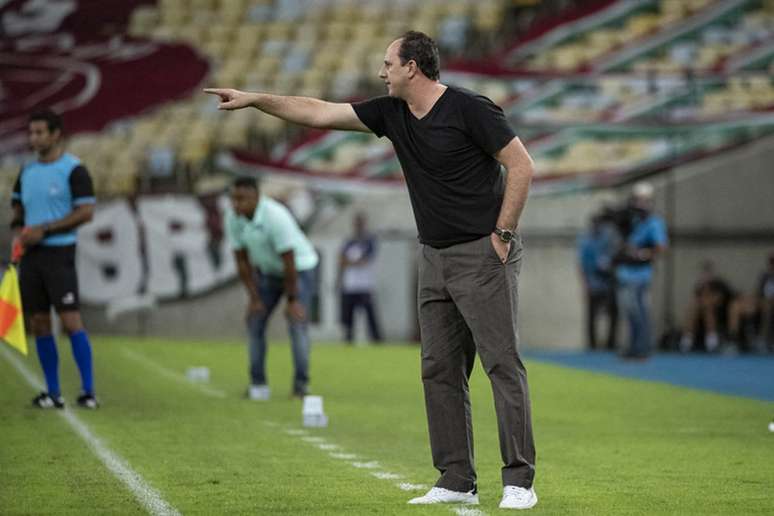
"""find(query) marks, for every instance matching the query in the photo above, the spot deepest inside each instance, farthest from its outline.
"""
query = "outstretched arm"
(306, 111)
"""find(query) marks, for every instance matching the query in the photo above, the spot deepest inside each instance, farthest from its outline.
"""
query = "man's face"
(393, 73)
(707, 271)
(244, 201)
(643, 203)
(40, 138)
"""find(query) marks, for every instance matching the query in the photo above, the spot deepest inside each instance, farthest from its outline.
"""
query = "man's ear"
(412, 68)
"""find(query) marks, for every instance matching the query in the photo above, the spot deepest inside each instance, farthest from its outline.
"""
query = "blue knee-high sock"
(82, 354)
(49, 361)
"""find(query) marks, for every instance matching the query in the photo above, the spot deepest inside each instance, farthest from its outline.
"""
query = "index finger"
(215, 91)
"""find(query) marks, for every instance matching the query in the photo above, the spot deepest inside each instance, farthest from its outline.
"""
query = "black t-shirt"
(454, 182)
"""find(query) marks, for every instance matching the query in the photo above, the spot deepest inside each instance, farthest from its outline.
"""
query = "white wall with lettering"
(163, 248)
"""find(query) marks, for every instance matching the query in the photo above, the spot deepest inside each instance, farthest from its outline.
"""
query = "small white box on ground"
(312, 412)
(198, 374)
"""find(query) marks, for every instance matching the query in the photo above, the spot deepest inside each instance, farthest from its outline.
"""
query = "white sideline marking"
(405, 486)
(143, 492)
(384, 475)
(366, 465)
(343, 456)
(293, 431)
(172, 375)
(371, 465)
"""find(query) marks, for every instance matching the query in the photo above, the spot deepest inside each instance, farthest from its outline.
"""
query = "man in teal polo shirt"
(273, 258)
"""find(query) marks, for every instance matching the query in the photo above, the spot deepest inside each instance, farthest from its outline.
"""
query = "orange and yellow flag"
(11, 316)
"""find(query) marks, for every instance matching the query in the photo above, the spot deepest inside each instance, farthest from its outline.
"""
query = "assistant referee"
(53, 195)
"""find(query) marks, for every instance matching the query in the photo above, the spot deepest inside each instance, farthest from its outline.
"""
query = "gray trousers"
(467, 303)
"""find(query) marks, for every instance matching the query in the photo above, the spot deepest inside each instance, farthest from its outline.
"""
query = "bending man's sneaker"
(44, 401)
(515, 497)
(441, 495)
(259, 393)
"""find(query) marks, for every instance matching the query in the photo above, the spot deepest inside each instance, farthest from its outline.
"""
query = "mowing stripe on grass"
(148, 497)
(172, 375)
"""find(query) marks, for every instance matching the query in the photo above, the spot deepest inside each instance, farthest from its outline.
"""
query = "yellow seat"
(202, 5)
(144, 19)
(174, 18)
(279, 31)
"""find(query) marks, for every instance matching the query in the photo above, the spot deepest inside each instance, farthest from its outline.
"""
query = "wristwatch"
(506, 235)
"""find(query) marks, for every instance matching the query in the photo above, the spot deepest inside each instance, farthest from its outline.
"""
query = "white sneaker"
(441, 495)
(259, 393)
(515, 497)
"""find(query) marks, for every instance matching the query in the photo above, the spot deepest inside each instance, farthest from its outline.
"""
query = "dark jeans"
(357, 300)
(271, 288)
(467, 304)
(597, 302)
(634, 303)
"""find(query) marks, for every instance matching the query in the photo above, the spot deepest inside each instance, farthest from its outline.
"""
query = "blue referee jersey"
(50, 191)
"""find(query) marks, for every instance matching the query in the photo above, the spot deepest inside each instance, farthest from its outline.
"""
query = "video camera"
(624, 218)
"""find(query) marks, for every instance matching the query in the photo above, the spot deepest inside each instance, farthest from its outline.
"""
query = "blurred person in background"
(274, 258)
(596, 250)
(468, 178)
(766, 303)
(644, 242)
(751, 317)
(53, 195)
(707, 315)
(357, 279)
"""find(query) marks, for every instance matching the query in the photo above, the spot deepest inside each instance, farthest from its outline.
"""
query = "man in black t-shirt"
(468, 176)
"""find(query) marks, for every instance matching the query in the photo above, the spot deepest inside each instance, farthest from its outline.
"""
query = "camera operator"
(644, 237)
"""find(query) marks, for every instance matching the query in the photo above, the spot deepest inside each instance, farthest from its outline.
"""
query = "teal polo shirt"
(271, 232)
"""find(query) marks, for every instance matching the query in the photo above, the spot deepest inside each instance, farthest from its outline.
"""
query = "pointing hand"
(230, 99)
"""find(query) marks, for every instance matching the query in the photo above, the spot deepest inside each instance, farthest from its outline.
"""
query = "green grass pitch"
(605, 445)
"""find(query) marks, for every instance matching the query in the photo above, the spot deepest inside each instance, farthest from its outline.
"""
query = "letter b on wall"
(108, 256)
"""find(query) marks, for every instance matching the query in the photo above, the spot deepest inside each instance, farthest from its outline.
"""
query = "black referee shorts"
(47, 277)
